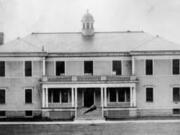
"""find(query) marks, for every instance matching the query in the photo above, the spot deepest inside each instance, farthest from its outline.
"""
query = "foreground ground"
(117, 128)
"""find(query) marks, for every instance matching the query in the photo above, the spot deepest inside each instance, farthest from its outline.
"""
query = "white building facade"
(89, 75)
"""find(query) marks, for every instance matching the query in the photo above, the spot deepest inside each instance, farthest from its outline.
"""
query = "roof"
(70, 42)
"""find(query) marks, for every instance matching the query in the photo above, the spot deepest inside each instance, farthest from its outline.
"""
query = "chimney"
(1, 38)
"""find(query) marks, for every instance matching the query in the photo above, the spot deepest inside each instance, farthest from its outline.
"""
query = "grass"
(93, 129)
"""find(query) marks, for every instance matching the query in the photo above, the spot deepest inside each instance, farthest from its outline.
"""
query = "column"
(105, 96)
(102, 95)
(102, 101)
(134, 93)
(133, 65)
(43, 97)
(131, 96)
(75, 90)
(46, 95)
(44, 66)
(72, 96)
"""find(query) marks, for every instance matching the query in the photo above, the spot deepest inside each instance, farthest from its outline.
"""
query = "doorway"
(88, 97)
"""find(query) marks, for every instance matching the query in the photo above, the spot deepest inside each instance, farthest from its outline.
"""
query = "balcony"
(89, 78)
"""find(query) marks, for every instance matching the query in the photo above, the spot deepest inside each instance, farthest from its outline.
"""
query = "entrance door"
(88, 97)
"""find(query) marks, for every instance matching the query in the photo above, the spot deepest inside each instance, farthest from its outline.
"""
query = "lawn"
(93, 129)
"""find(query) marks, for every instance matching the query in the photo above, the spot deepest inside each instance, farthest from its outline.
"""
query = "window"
(119, 94)
(2, 113)
(28, 68)
(88, 67)
(2, 96)
(149, 94)
(60, 68)
(28, 113)
(176, 94)
(2, 68)
(64, 95)
(117, 67)
(175, 66)
(28, 96)
(59, 95)
(149, 67)
(176, 111)
(113, 97)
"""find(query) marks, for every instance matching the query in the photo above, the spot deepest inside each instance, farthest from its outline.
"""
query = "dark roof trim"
(154, 52)
(90, 54)
(23, 54)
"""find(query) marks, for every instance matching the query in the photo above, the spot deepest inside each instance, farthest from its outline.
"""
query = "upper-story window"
(175, 66)
(2, 68)
(88, 67)
(60, 68)
(149, 67)
(149, 94)
(28, 68)
(117, 67)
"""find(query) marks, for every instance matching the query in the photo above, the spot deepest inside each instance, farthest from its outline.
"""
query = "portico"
(71, 97)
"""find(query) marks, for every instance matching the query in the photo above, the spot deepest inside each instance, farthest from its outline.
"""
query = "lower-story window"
(149, 94)
(2, 96)
(176, 111)
(119, 94)
(28, 113)
(2, 113)
(59, 95)
(176, 94)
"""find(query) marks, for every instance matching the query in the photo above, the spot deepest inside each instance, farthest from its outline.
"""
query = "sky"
(19, 18)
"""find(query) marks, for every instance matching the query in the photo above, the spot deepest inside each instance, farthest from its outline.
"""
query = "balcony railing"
(87, 78)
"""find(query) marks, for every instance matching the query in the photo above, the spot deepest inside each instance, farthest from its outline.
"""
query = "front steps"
(93, 115)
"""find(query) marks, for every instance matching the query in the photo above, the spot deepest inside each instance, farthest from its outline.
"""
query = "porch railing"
(87, 78)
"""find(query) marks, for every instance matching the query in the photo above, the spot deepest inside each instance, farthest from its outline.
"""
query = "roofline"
(105, 32)
(155, 52)
(23, 54)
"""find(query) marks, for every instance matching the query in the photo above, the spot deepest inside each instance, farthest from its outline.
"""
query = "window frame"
(31, 95)
(152, 70)
(152, 98)
(4, 69)
(31, 68)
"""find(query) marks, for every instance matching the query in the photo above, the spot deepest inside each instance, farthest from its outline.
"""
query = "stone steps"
(93, 115)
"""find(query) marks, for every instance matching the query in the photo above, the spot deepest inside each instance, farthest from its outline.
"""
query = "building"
(114, 74)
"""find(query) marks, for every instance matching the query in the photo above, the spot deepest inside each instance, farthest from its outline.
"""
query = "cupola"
(87, 24)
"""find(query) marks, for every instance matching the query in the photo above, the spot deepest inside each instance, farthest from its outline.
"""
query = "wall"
(162, 81)
(100, 66)
(15, 83)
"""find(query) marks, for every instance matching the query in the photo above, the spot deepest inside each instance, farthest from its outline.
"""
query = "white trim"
(63, 85)
(20, 58)
(89, 58)
(160, 57)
